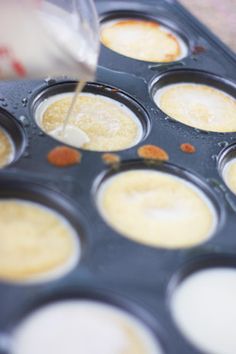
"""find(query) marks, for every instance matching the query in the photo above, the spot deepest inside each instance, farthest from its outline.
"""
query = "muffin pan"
(113, 269)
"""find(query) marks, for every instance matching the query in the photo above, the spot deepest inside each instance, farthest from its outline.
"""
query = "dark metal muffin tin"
(112, 268)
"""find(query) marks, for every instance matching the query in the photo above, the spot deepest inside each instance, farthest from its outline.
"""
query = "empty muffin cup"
(157, 207)
(143, 39)
(37, 241)
(197, 99)
(103, 119)
(12, 139)
(82, 326)
(203, 307)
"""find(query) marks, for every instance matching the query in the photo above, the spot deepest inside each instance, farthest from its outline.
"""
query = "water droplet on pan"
(24, 101)
(214, 157)
(26, 154)
(24, 120)
(223, 144)
(49, 81)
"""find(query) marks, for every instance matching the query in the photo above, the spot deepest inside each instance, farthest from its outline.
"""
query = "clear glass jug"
(40, 38)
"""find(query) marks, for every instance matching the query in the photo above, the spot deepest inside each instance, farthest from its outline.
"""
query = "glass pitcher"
(40, 38)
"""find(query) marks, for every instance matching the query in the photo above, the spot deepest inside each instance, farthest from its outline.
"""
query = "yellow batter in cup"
(157, 209)
(199, 106)
(104, 124)
(36, 243)
(143, 40)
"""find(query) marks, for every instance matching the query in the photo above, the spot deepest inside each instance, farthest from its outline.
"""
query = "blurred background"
(218, 15)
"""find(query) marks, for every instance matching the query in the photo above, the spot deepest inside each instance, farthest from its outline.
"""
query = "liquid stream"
(68, 133)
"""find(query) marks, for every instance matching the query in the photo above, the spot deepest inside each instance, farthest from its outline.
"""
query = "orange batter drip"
(110, 159)
(152, 152)
(188, 148)
(63, 156)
